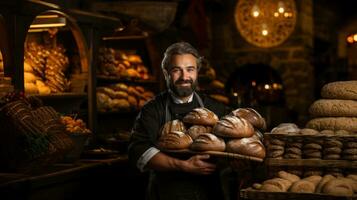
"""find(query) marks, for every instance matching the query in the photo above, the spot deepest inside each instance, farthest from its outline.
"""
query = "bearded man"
(171, 178)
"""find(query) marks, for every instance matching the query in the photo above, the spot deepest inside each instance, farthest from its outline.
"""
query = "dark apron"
(179, 185)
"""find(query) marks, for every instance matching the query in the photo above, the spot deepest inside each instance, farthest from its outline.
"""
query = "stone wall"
(292, 59)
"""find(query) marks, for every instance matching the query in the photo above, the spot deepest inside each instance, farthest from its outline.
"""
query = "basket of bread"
(235, 135)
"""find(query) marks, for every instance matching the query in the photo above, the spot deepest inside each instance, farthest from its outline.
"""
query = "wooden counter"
(86, 178)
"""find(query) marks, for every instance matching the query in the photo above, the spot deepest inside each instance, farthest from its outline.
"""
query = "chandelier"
(265, 23)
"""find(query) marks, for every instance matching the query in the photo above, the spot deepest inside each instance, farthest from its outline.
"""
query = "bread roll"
(246, 146)
(286, 128)
(174, 125)
(302, 186)
(233, 127)
(201, 116)
(288, 176)
(340, 90)
(174, 140)
(338, 187)
(251, 116)
(283, 184)
(323, 181)
(333, 108)
(208, 142)
(334, 123)
(315, 179)
(197, 130)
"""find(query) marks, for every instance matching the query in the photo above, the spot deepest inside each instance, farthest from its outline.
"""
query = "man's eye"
(175, 70)
(191, 69)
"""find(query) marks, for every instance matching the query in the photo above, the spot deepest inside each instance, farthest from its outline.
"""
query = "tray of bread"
(219, 154)
(286, 185)
(235, 135)
(288, 141)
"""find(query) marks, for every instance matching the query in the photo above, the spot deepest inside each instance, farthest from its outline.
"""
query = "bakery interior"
(88, 66)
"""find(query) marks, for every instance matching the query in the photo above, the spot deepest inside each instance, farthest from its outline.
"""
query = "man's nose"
(185, 75)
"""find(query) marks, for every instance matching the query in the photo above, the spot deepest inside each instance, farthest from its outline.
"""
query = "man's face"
(183, 74)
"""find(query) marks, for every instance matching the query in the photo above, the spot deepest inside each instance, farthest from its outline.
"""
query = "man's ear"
(166, 74)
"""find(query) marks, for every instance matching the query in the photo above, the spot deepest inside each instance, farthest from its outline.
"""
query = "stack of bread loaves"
(328, 184)
(235, 133)
(338, 108)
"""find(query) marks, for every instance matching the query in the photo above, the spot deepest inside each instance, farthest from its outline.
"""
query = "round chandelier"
(265, 23)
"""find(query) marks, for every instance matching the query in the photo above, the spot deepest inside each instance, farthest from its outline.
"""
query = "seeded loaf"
(340, 90)
(334, 123)
(333, 108)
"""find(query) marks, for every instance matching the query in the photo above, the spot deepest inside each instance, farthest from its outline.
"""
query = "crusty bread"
(333, 108)
(201, 116)
(197, 130)
(339, 187)
(174, 140)
(233, 127)
(283, 184)
(302, 186)
(251, 116)
(315, 179)
(288, 176)
(246, 146)
(286, 128)
(340, 90)
(208, 142)
(334, 123)
(174, 125)
(323, 181)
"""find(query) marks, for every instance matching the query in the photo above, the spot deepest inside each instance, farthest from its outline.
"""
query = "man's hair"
(180, 48)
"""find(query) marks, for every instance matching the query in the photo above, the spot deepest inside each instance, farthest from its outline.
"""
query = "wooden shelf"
(125, 37)
(67, 95)
(130, 112)
(114, 79)
(311, 163)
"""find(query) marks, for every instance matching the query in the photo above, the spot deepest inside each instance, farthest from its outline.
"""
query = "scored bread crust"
(208, 142)
(174, 140)
(233, 127)
(201, 116)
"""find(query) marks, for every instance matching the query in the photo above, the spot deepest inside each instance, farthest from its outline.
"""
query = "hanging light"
(48, 21)
(281, 8)
(255, 11)
(265, 31)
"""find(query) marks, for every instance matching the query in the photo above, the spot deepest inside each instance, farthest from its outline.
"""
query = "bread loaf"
(174, 125)
(333, 108)
(288, 176)
(286, 128)
(302, 186)
(338, 187)
(334, 123)
(208, 142)
(340, 90)
(174, 140)
(201, 116)
(197, 130)
(251, 116)
(323, 181)
(246, 146)
(233, 127)
(283, 184)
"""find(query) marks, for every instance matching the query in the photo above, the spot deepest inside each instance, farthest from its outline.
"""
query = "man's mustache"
(181, 81)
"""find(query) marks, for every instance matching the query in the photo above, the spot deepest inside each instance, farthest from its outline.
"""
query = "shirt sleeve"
(144, 159)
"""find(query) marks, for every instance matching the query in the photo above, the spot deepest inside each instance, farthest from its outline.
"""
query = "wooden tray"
(263, 195)
(219, 154)
(311, 163)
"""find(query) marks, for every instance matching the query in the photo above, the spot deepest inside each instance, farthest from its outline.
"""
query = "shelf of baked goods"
(289, 146)
(117, 65)
(122, 98)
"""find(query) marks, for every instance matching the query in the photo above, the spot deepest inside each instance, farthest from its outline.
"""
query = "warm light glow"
(254, 83)
(355, 37)
(276, 14)
(264, 32)
(48, 21)
(267, 86)
(286, 14)
(255, 11)
(235, 94)
(47, 25)
(281, 10)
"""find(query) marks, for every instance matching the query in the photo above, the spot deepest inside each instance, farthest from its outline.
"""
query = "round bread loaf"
(247, 146)
(333, 108)
(323, 181)
(174, 140)
(309, 131)
(302, 186)
(252, 116)
(315, 179)
(197, 130)
(283, 184)
(208, 142)
(286, 128)
(201, 116)
(340, 90)
(334, 123)
(233, 127)
(174, 125)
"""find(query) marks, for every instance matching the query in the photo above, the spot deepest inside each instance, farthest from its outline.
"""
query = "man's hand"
(198, 165)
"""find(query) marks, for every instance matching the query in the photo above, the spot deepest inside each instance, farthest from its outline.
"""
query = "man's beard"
(183, 91)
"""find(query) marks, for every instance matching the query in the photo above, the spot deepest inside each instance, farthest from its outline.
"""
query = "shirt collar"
(178, 100)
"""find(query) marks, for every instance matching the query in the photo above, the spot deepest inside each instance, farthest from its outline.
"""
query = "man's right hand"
(198, 165)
